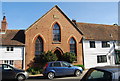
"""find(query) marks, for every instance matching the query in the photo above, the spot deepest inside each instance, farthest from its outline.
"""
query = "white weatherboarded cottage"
(99, 44)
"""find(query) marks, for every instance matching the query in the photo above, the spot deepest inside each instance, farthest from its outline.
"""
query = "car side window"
(98, 75)
(7, 67)
(56, 64)
(65, 64)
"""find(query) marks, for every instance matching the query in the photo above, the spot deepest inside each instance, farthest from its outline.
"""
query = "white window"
(10, 62)
(10, 49)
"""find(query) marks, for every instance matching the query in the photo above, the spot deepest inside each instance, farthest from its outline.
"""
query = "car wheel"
(77, 73)
(51, 75)
(20, 77)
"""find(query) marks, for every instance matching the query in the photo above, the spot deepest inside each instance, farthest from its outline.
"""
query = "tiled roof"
(98, 31)
(13, 37)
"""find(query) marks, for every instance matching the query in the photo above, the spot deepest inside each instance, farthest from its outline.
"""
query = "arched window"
(56, 33)
(72, 45)
(38, 46)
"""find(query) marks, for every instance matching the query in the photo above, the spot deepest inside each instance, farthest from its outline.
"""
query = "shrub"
(34, 71)
(69, 57)
(49, 56)
(80, 66)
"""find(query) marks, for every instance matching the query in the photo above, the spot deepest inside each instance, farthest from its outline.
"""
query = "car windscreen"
(97, 75)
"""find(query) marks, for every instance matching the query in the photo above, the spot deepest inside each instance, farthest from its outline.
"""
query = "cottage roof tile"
(13, 37)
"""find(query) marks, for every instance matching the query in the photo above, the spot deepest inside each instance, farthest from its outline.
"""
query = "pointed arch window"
(38, 46)
(56, 33)
(72, 45)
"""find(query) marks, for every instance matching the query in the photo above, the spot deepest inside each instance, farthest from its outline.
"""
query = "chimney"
(4, 24)
(74, 21)
(115, 24)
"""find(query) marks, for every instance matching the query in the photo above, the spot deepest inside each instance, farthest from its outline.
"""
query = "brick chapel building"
(53, 31)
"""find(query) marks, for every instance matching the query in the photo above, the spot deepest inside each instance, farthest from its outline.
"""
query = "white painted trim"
(24, 58)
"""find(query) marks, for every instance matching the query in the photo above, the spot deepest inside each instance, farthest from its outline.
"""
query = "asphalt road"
(67, 78)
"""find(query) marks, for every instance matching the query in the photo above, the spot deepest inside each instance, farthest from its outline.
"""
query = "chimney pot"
(74, 21)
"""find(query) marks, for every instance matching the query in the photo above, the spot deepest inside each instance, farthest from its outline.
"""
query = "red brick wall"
(43, 28)
(18, 64)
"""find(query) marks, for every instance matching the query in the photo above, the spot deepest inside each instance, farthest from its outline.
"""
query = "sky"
(20, 15)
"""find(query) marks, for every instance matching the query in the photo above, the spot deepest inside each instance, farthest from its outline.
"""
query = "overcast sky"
(20, 15)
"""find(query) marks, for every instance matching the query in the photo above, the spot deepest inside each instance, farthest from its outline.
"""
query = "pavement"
(38, 75)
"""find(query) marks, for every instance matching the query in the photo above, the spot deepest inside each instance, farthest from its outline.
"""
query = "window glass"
(10, 49)
(101, 58)
(98, 75)
(118, 43)
(7, 48)
(72, 46)
(92, 44)
(65, 64)
(56, 33)
(10, 62)
(6, 67)
(57, 64)
(38, 46)
(105, 44)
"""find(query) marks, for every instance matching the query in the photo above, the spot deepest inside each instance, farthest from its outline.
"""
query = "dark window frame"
(105, 44)
(72, 44)
(9, 48)
(101, 58)
(56, 33)
(38, 46)
(92, 44)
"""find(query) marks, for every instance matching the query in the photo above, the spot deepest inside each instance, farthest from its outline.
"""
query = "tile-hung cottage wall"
(12, 55)
(53, 31)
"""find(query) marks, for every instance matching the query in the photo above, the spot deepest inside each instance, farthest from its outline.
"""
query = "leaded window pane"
(101, 58)
(56, 33)
(38, 46)
(72, 46)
